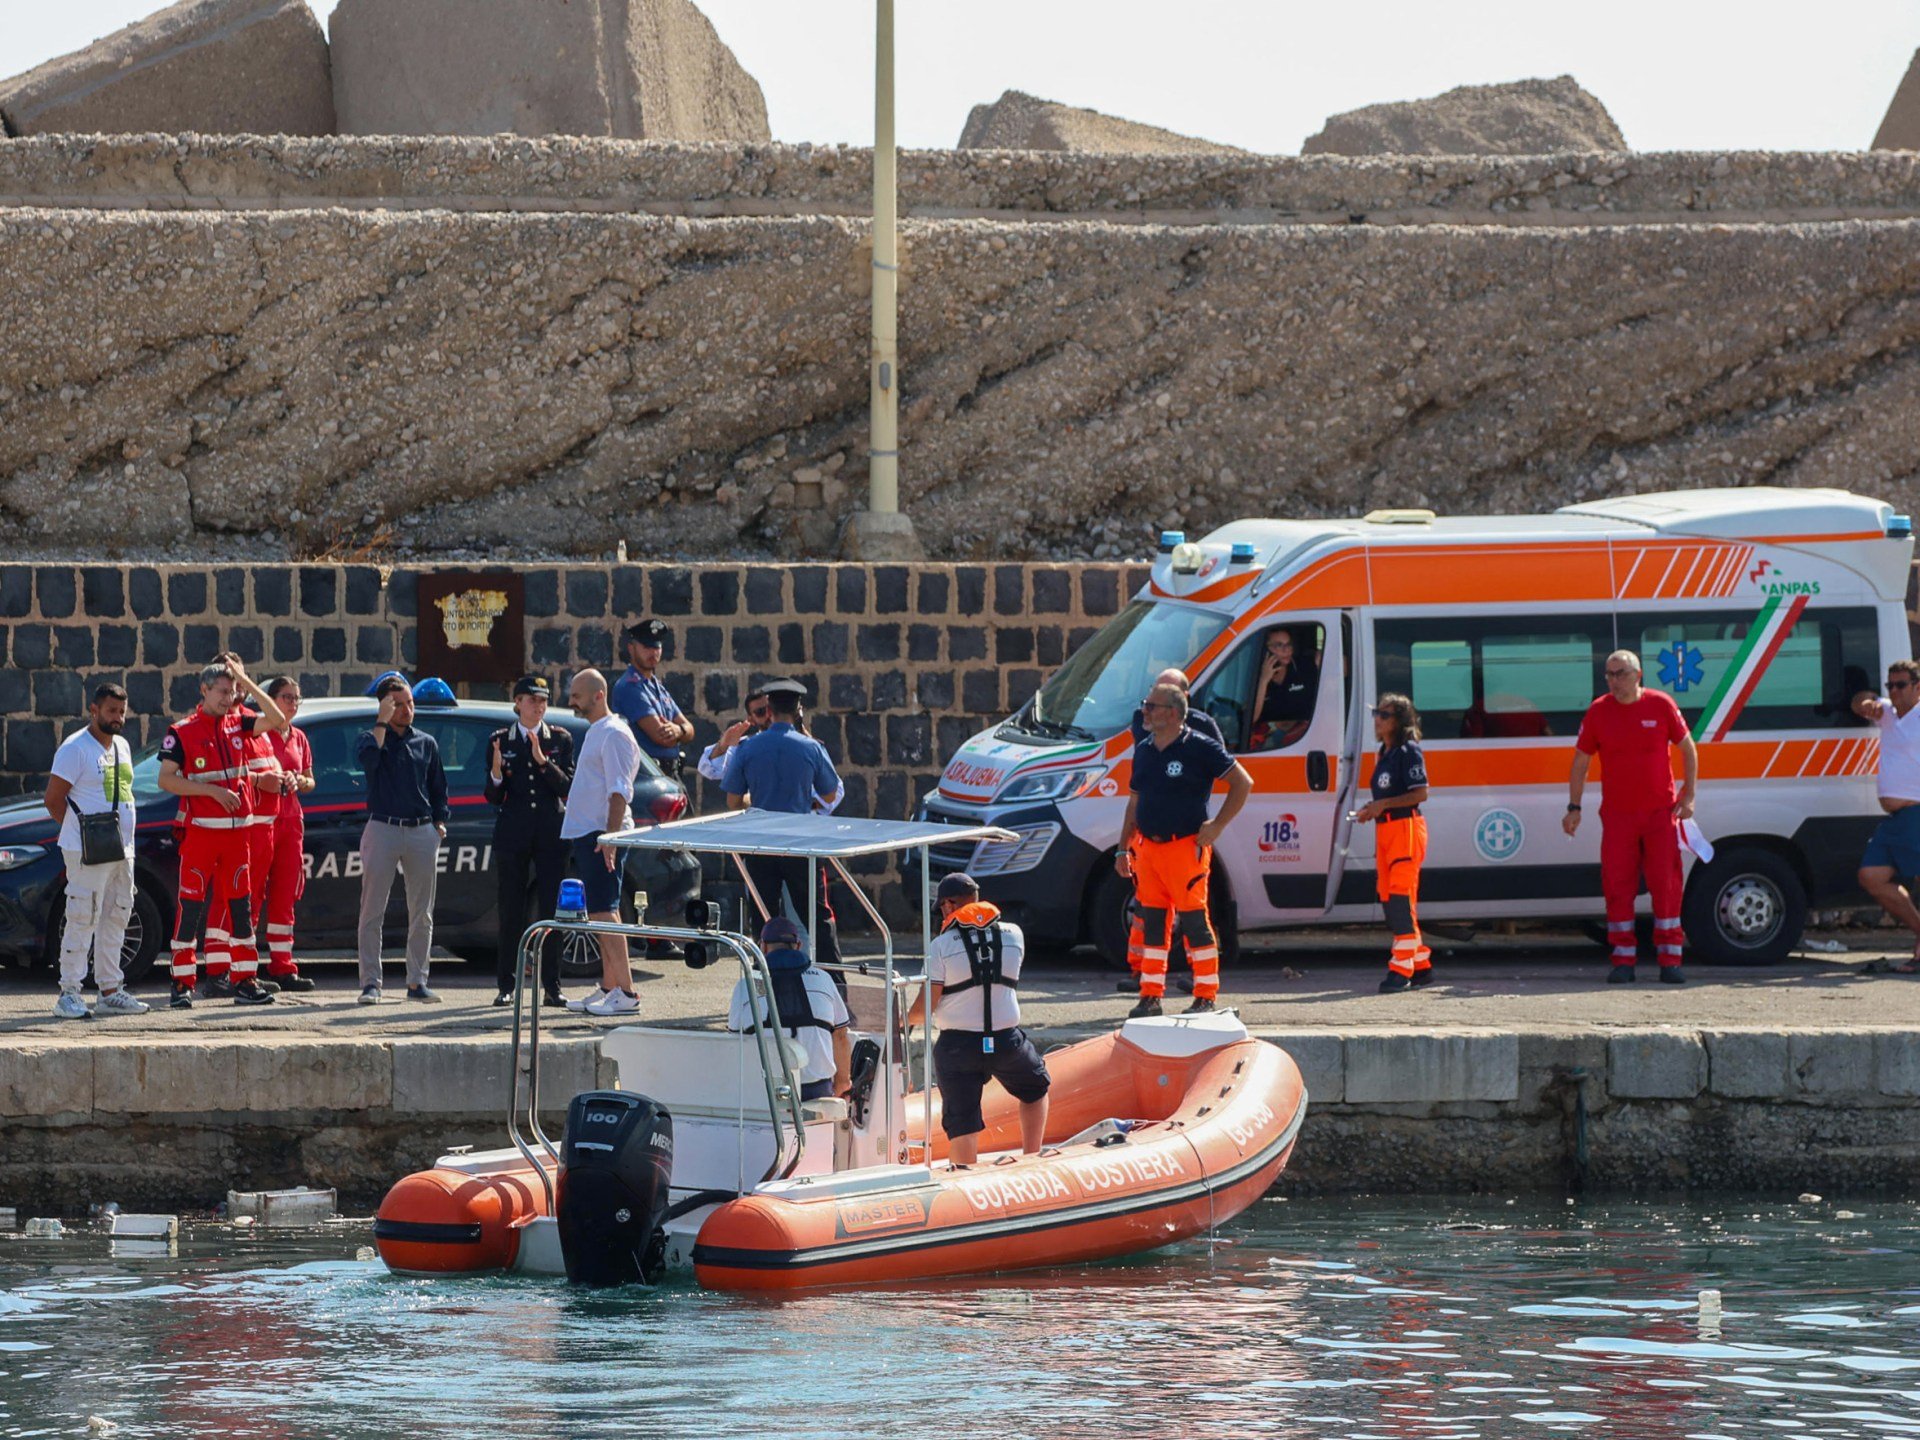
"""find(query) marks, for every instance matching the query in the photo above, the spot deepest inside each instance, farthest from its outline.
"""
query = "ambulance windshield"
(1096, 692)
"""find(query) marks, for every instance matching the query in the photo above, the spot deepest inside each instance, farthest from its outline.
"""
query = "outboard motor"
(611, 1199)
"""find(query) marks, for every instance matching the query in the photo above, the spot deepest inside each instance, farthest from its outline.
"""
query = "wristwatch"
(1573, 807)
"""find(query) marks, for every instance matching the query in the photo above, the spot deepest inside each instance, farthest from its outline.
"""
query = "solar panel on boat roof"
(768, 832)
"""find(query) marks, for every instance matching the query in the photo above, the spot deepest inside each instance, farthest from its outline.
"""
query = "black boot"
(182, 997)
(1621, 975)
(1147, 1005)
(1395, 982)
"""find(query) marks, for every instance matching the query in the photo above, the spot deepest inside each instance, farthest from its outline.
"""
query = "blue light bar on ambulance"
(1899, 527)
(1242, 553)
(1171, 538)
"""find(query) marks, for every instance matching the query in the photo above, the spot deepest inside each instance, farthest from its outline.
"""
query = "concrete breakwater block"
(146, 1227)
(282, 1207)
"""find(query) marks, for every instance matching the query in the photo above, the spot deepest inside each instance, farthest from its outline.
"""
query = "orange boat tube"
(1209, 1135)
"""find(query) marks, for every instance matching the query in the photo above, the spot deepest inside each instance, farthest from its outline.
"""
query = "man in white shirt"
(1893, 854)
(93, 775)
(973, 972)
(812, 1011)
(597, 803)
(712, 764)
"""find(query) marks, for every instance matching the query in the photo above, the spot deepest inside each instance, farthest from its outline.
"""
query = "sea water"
(1336, 1318)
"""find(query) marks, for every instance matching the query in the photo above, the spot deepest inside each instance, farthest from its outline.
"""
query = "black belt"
(982, 1034)
(404, 824)
(1168, 839)
(1396, 815)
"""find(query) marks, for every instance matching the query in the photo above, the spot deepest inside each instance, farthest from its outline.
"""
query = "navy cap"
(780, 933)
(532, 685)
(957, 886)
(783, 687)
(649, 632)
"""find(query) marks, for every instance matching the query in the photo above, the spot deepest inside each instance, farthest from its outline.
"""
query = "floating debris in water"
(283, 1207)
(100, 1425)
(41, 1228)
(145, 1227)
(1807, 1197)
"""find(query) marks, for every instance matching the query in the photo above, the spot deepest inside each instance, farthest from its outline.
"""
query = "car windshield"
(146, 777)
(1096, 692)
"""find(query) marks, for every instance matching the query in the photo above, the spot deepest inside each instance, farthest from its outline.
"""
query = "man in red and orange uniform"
(261, 792)
(1166, 843)
(204, 761)
(1632, 730)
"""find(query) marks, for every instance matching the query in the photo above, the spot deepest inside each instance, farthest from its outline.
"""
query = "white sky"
(1264, 74)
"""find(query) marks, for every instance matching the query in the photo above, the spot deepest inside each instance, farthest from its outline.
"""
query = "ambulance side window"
(1806, 684)
(1503, 678)
(1258, 717)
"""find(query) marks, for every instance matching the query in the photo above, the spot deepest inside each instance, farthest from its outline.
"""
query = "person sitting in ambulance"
(1284, 700)
(811, 1010)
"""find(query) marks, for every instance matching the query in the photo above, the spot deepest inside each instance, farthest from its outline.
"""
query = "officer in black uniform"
(529, 770)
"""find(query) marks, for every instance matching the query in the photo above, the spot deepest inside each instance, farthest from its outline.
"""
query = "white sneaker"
(121, 1002)
(71, 1007)
(614, 1002)
(585, 1002)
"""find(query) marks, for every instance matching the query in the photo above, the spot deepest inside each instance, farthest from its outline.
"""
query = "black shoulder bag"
(100, 842)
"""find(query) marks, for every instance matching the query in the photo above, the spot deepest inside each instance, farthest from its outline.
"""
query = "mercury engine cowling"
(611, 1199)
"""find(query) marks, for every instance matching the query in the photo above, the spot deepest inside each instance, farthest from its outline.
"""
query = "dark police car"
(32, 874)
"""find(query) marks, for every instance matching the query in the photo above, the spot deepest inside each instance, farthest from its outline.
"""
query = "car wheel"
(1110, 920)
(579, 956)
(146, 932)
(1748, 907)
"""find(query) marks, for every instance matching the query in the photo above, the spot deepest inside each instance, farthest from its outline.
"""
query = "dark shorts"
(817, 1090)
(1896, 844)
(601, 884)
(961, 1069)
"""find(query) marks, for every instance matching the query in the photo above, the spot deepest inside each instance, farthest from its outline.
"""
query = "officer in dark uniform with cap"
(640, 697)
(529, 770)
(785, 769)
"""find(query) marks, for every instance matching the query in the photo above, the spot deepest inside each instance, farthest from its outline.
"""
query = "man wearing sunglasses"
(1893, 854)
(713, 760)
(1633, 731)
(1166, 844)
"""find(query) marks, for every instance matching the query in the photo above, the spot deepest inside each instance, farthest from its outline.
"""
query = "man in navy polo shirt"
(640, 697)
(1166, 843)
(786, 770)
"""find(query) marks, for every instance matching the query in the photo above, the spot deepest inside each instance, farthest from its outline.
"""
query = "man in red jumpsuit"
(1633, 731)
(204, 761)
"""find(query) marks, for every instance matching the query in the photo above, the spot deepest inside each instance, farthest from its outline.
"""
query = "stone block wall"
(904, 661)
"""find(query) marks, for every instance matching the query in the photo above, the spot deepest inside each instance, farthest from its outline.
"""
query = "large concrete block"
(1896, 1062)
(1413, 1069)
(221, 67)
(469, 1077)
(335, 1075)
(168, 1078)
(1656, 1065)
(45, 1081)
(1833, 1062)
(1749, 1064)
(632, 69)
(1321, 1058)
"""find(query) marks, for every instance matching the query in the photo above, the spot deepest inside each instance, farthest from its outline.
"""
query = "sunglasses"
(1899, 684)
(1616, 674)
(759, 712)
(1383, 715)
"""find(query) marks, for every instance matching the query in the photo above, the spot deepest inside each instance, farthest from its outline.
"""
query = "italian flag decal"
(1772, 626)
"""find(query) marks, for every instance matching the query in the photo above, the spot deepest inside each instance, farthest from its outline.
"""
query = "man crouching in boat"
(973, 970)
(812, 1011)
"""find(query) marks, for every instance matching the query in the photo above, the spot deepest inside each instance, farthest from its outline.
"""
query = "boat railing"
(523, 1104)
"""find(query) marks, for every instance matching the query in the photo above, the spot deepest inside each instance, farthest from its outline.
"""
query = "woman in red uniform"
(286, 870)
(1399, 837)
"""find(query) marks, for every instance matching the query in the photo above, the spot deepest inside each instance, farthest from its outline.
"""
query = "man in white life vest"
(973, 972)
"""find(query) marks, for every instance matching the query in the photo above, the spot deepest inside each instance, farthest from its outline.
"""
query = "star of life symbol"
(1173, 769)
(1681, 667)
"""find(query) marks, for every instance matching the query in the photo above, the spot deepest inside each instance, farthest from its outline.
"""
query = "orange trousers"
(1399, 849)
(1170, 888)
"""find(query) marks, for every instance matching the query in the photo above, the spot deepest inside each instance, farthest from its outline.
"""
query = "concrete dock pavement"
(1518, 1070)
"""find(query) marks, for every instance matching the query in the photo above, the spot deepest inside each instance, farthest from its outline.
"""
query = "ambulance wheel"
(1747, 908)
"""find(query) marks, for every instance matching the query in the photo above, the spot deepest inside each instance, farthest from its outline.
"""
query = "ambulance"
(1761, 611)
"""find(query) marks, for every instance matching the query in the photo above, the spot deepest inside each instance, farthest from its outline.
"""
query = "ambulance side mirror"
(1319, 771)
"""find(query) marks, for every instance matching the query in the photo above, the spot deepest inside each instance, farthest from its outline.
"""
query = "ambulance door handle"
(1319, 772)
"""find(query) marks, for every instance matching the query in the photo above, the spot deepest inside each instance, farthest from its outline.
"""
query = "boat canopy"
(819, 837)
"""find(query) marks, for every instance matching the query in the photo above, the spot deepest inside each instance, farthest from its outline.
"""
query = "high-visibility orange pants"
(1170, 887)
(1399, 849)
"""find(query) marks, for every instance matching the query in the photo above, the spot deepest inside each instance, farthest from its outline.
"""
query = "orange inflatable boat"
(1156, 1133)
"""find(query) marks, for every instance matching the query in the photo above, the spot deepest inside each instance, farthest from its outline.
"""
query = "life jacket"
(788, 970)
(213, 751)
(978, 926)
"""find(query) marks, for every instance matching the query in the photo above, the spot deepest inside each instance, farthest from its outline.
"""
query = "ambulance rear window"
(1808, 683)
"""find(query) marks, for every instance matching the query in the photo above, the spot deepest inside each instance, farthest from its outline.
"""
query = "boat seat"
(692, 1072)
